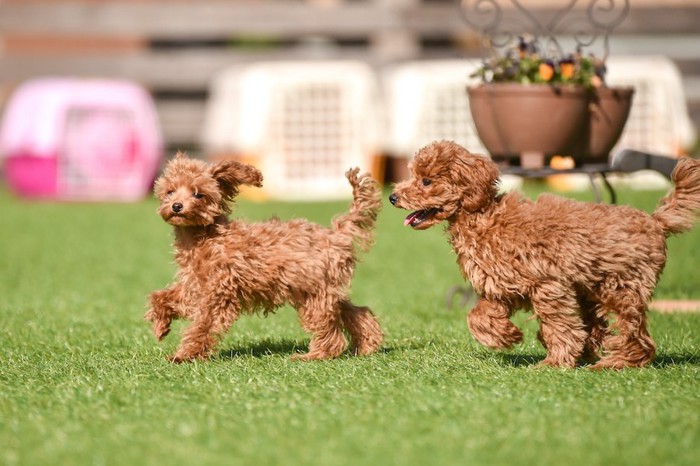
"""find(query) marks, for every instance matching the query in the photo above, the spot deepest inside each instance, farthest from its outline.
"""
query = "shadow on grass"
(521, 360)
(660, 361)
(674, 359)
(289, 347)
(276, 347)
(264, 348)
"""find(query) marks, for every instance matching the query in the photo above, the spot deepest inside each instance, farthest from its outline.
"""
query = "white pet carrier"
(303, 124)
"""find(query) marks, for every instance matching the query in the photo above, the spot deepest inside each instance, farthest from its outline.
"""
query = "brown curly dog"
(574, 264)
(227, 268)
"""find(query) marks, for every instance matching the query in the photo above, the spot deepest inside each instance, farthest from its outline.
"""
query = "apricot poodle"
(227, 268)
(587, 271)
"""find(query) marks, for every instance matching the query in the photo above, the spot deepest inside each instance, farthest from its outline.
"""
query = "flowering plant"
(525, 65)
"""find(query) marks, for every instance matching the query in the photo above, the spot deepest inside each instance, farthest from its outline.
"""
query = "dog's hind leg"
(210, 323)
(320, 315)
(489, 323)
(364, 330)
(630, 345)
(562, 330)
(596, 325)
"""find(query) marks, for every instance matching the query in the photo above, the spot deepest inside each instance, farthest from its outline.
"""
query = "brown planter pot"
(609, 109)
(518, 121)
(513, 119)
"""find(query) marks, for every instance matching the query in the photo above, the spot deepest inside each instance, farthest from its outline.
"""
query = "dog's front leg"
(164, 305)
(210, 323)
(490, 324)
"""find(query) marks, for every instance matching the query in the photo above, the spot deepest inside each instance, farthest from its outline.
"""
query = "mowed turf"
(82, 381)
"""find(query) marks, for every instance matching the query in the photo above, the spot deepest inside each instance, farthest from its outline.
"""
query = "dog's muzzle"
(177, 207)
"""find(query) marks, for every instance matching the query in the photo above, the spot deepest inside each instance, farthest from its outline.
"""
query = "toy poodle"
(230, 267)
(587, 271)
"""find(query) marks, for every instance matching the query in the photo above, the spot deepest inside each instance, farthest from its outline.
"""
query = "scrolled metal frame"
(587, 26)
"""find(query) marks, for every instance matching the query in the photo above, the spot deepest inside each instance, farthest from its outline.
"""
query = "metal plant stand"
(588, 22)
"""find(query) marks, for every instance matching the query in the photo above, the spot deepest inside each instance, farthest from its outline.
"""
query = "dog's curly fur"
(574, 264)
(227, 268)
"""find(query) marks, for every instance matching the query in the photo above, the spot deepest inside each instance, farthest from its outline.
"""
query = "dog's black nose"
(177, 207)
(393, 198)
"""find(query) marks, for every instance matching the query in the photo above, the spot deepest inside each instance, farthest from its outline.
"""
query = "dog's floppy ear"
(477, 177)
(230, 174)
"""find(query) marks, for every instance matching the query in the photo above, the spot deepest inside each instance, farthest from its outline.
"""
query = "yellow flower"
(546, 71)
(567, 70)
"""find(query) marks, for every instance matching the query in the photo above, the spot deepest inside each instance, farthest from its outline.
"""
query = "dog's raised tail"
(359, 221)
(679, 210)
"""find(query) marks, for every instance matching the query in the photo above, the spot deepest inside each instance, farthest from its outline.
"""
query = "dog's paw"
(505, 340)
(495, 332)
(511, 336)
(309, 356)
(175, 359)
(161, 329)
(181, 356)
(606, 363)
(555, 363)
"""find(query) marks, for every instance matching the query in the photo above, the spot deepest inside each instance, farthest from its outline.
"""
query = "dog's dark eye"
(426, 182)
(170, 193)
(198, 195)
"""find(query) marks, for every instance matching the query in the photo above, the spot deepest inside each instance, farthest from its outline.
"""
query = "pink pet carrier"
(74, 139)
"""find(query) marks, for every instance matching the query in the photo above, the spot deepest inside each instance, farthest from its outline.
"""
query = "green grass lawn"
(82, 381)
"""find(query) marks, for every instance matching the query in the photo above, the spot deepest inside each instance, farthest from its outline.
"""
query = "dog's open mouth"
(416, 218)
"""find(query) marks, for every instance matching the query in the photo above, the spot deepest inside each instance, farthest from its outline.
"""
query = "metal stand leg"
(596, 191)
(466, 294)
(606, 183)
(611, 190)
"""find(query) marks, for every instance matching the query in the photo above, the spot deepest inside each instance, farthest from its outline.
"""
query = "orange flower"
(546, 71)
(567, 70)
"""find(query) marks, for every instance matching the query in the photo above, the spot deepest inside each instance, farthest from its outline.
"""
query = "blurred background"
(301, 88)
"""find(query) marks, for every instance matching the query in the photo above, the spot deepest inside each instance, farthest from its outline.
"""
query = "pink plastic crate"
(76, 139)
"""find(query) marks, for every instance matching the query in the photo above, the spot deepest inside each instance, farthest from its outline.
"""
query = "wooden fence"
(174, 48)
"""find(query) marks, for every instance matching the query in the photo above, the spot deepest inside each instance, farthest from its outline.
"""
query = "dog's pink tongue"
(410, 218)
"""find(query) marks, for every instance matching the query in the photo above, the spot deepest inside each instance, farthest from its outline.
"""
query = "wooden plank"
(675, 46)
(662, 20)
(433, 18)
(181, 121)
(205, 19)
(43, 44)
(680, 306)
(180, 69)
